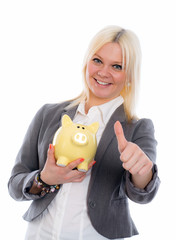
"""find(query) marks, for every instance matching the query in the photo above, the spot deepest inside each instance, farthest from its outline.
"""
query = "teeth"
(102, 83)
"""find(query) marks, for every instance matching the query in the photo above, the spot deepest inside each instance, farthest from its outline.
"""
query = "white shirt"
(66, 217)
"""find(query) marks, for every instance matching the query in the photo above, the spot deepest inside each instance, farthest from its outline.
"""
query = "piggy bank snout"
(80, 139)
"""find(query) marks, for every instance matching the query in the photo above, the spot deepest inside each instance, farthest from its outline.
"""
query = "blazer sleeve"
(143, 136)
(27, 162)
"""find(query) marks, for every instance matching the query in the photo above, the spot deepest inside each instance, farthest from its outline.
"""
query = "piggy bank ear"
(66, 121)
(94, 127)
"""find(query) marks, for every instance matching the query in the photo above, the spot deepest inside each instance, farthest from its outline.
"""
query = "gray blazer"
(110, 184)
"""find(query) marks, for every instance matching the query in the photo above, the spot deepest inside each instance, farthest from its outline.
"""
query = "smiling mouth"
(102, 83)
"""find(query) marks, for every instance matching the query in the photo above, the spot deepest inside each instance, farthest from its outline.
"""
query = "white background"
(42, 45)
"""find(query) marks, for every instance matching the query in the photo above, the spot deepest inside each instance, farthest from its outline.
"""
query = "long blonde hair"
(131, 53)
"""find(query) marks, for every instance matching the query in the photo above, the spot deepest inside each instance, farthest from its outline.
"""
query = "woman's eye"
(117, 67)
(97, 60)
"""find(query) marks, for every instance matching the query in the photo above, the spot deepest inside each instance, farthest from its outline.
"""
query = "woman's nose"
(104, 72)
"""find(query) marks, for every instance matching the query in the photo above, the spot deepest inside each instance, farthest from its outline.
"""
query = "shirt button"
(92, 204)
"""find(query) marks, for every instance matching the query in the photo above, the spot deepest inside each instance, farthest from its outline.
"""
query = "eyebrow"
(115, 62)
(96, 55)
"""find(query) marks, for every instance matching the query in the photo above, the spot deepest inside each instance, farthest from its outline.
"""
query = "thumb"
(122, 142)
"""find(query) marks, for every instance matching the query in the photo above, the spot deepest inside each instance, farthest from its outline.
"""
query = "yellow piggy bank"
(73, 141)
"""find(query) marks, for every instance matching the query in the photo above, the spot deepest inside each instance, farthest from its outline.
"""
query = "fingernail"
(50, 146)
(81, 159)
(94, 163)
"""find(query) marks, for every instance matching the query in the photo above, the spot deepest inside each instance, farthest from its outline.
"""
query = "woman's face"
(104, 74)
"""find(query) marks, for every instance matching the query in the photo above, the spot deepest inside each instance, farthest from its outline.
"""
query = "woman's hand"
(53, 174)
(134, 159)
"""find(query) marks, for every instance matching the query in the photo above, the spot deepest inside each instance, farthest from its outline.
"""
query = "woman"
(74, 205)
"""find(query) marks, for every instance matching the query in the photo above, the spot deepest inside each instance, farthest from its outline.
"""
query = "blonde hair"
(131, 64)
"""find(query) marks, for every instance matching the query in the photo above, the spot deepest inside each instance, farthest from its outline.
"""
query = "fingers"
(79, 179)
(130, 157)
(74, 164)
(146, 168)
(91, 164)
(73, 175)
(50, 156)
(134, 166)
(52, 173)
(135, 160)
(122, 142)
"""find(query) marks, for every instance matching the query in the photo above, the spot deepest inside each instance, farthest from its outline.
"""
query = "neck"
(95, 102)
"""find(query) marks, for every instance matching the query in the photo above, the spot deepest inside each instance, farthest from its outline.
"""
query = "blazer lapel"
(70, 112)
(108, 135)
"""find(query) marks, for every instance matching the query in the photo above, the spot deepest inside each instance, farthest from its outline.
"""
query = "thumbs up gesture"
(134, 159)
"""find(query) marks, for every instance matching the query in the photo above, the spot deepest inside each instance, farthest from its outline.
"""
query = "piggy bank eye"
(83, 127)
(78, 126)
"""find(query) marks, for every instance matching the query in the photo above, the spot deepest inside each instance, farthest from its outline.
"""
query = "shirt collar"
(108, 108)
(105, 109)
